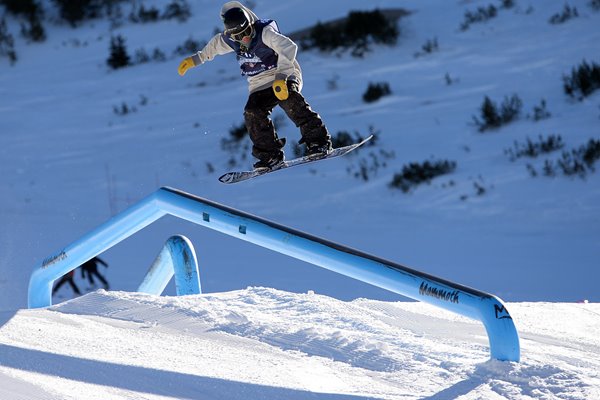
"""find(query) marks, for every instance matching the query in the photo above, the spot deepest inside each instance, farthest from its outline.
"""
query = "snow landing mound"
(265, 343)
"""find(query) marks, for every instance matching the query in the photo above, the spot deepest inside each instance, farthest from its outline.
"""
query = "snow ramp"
(263, 343)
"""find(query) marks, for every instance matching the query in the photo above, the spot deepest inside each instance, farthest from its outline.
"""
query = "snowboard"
(239, 176)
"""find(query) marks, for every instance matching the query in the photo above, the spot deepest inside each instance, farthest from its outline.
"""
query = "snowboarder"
(67, 278)
(91, 268)
(268, 60)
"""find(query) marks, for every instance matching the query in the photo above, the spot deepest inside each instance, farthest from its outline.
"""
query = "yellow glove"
(186, 64)
(281, 90)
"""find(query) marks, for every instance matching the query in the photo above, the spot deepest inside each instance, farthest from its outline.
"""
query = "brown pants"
(260, 127)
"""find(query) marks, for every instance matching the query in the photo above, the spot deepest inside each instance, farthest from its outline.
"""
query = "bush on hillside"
(32, 14)
(507, 4)
(493, 117)
(236, 134)
(176, 9)
(581, 160)
(541, 112)
(375, 91)
(236, 145)
(118, 57)
(567, 13)
(356, 32)
(77, 11)
(371, 164)
(144, 15)
(577, 162)
(188, 47)
(415, 174)
(430, 46)
(534, 149)
(482, 14)
(7, 43)
(583, 81)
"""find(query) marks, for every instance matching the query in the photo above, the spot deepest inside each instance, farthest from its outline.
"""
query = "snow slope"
(261, 343)
(69, 162)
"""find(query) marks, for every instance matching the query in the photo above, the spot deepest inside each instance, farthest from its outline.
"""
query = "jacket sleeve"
(285, 48)
(215, 47)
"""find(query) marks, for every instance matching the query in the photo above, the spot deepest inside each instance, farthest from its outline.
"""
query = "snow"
(265, 343)
(270, 326)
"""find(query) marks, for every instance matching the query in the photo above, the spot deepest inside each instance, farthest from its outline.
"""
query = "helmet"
(237, 24)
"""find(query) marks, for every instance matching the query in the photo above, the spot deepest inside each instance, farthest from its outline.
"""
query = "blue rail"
(484, 307)
(177, 258)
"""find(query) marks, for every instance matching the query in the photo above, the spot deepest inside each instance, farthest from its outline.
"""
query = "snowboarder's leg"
(313, 130)
(266, 145)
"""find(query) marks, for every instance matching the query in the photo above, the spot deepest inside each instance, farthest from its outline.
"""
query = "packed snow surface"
(262, 343)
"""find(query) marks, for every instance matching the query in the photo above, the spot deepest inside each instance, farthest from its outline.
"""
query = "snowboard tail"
(239, 176)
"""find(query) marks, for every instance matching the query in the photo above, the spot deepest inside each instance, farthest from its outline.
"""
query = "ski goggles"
(240, 32)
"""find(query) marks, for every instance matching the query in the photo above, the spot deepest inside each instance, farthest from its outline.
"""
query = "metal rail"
(472, 303)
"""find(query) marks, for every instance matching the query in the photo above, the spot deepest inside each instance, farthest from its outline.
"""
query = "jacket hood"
(236, 4)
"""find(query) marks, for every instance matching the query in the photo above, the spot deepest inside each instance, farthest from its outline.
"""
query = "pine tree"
(118, 53)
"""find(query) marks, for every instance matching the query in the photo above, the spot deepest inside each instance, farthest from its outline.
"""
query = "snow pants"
(260, 126)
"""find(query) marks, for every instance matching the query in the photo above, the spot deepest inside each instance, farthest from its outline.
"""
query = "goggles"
(240, 32)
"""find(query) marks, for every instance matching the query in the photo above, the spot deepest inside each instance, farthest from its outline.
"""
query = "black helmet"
(237, 23)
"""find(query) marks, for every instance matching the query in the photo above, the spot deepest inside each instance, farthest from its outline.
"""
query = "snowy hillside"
(270, 326)
(267, 344)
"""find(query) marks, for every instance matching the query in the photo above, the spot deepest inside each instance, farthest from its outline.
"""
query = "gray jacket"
(286, 49)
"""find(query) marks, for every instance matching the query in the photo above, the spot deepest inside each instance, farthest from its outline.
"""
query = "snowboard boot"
(318, 150)
(275, 159)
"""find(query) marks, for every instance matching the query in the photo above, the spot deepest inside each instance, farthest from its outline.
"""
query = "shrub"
(32, 12)
(235, 142)
(124, 109)
(429, 47)
(370, 165)
(493, 118)
(579, 161)
(239, 132)
(449, 80)
(34, 31)
(375, 91)
(567, 14)
(583, 81)
(118, 57)
(540, 112)
(177, 9)
(76, 11)
(143, 15)
(7, 43)
(507, 4)
(482, 14)
(414, 174)
(341, 139)
(590, 153)
(188, 47)
(534, 149)
(356, 32)
(595, 5)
